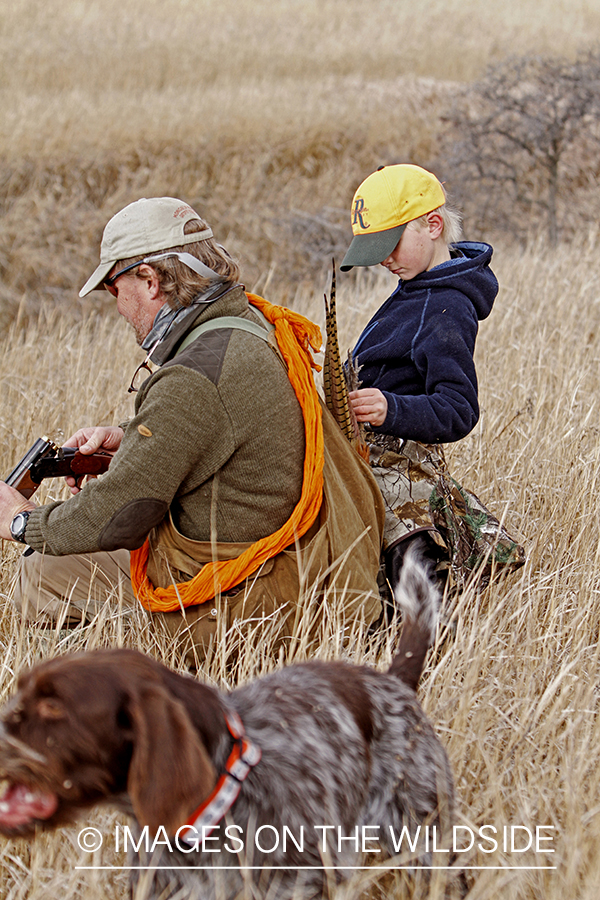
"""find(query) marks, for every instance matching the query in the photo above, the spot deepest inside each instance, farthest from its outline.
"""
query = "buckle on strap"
(243, 757)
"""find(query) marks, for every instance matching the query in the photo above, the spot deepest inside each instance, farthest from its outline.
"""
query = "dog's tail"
(418, 599)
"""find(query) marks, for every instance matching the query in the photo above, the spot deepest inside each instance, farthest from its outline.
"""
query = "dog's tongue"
(20, 804)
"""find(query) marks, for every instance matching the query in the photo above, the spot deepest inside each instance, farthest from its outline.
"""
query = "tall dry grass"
(216, 67)
(511, 685)
(265, 116)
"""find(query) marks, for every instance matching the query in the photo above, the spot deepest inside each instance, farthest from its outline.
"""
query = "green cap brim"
(371, 249)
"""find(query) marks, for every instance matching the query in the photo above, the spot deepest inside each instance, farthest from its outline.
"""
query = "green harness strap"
(260, 331)
(265, 332)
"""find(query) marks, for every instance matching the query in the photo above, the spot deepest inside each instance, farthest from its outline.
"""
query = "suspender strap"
(260, 331)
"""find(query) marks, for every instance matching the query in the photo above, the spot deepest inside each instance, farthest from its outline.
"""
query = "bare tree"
(524, 140)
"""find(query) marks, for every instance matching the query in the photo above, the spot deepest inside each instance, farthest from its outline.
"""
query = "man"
(219, 486)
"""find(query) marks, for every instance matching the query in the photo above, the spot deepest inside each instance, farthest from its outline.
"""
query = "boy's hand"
(369, 405)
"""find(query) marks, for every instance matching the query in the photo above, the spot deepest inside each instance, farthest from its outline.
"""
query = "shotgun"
(45, 459)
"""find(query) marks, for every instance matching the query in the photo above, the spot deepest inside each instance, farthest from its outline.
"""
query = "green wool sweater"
(217, 430)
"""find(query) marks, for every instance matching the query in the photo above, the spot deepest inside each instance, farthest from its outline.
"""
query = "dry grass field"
(266, 115)
(513, 692)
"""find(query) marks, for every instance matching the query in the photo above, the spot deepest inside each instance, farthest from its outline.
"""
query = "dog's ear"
(170, 773)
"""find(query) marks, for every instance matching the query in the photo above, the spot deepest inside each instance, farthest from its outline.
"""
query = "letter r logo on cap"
(359, 210)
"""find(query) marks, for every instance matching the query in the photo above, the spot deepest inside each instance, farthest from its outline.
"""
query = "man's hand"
(369, 405)
(88, 440)
(11, 503)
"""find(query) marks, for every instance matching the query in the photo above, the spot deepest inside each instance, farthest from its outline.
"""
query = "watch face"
(18, 526)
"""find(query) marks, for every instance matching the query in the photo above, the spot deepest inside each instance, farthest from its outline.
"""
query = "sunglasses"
(109, 282)
(187, 259)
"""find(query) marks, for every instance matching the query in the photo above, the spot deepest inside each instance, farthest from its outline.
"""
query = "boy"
(419, 385)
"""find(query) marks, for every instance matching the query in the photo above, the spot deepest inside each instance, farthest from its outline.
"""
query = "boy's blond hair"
(452, 219)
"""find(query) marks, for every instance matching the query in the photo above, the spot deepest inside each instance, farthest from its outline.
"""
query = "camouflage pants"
(420, 495)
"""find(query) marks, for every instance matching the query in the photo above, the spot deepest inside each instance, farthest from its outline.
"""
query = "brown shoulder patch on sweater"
(206, 354)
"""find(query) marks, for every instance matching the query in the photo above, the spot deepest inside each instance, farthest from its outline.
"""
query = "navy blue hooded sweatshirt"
(418, 348)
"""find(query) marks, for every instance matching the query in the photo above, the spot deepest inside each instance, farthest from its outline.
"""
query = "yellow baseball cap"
(382, 207)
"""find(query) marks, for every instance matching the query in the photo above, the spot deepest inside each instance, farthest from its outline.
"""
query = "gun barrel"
(46, 460)
(20, 477)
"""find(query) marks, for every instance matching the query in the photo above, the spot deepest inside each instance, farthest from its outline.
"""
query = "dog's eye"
(50, 708)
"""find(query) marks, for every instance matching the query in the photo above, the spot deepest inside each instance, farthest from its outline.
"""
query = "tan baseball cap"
(143, 227)
(382, 207)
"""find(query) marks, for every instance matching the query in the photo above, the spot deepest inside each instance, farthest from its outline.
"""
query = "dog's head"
(96, 727)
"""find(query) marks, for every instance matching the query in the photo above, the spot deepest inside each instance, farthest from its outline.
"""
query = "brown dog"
(290, 772)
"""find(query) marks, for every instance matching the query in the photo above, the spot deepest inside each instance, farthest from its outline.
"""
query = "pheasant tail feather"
(337, 382)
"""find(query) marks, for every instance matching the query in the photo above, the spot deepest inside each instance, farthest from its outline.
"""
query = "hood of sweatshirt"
(468, 272)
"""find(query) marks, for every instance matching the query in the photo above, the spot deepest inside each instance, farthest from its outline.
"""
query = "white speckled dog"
(249, 778)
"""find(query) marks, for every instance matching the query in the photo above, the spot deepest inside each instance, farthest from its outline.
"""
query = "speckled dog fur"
(342, 746)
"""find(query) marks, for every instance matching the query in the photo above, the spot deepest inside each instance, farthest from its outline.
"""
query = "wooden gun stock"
(46, 460)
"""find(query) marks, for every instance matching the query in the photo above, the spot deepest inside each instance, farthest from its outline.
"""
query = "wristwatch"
(18, 526)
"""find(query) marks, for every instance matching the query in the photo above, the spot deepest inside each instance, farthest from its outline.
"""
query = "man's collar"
(166, 317)
(197, 312)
